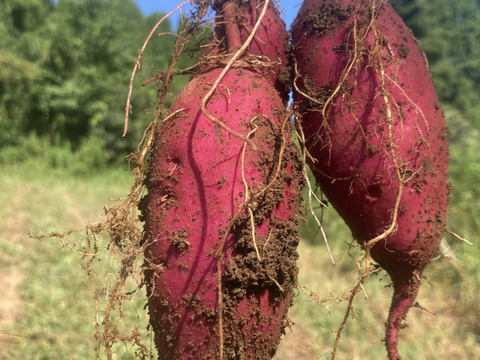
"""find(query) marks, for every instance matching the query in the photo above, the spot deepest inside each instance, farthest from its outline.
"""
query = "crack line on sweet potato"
(220, 77)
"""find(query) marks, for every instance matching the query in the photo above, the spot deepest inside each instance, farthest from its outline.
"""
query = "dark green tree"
(449, 32)
(65, 70)
(21, 51)
(92, 46)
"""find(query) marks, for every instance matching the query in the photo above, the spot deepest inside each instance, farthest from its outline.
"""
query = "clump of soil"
(326, 17)
(248, 273)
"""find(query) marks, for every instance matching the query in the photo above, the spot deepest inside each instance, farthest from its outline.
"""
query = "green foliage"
(38, 153)
(55, 299)
(449, 32)
(65, 71)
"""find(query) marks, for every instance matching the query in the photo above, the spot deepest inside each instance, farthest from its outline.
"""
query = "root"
(411, 102)
(316, 298)
(247, 203)
(111, 295)
(446, 252)
(394, 157)
(10, 339)
(428, 311)
(301, 137)
(364, 276)
(283, 145)
(352, 62)
(455, 235)
(313, 100)
(276, 283)
(252, 222)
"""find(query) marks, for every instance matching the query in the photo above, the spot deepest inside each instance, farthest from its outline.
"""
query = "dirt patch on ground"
(10, 280)
(11, 276)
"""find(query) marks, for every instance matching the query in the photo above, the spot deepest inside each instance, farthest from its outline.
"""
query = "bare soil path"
(13, 232)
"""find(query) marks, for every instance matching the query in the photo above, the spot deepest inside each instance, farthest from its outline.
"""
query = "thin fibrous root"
(301, 137)
(246, 203)
(457, 236)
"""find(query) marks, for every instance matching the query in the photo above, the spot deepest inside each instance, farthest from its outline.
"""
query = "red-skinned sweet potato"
(196, 193)
(221, 219)
(375, 128)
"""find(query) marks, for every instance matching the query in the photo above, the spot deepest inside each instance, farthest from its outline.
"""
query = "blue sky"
(290, 8)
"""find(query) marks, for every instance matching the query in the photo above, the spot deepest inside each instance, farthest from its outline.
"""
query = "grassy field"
(48, 310)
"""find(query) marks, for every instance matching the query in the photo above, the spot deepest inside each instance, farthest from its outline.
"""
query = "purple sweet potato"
(221, 220)
(374, 125)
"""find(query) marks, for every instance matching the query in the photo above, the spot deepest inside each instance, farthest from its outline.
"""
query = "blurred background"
(64, 74)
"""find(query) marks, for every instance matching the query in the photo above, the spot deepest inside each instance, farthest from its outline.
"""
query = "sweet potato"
(221, 221)
(374, 126)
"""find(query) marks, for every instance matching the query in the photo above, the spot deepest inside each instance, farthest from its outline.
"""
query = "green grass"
(55, 312)
(56, 309)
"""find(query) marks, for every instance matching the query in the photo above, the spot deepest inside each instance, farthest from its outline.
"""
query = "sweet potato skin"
(196, 194)
(365, 124)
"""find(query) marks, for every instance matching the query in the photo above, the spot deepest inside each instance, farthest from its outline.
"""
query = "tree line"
(65, 70)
